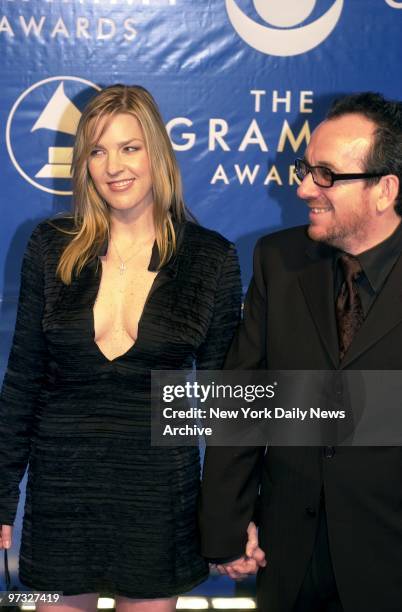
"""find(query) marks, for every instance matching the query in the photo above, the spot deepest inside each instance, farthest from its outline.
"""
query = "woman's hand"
(6, 536)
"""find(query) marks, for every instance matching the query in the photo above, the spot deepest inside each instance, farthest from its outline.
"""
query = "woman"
(126, 285)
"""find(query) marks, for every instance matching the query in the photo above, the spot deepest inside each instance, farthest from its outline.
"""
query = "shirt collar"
(378, 261)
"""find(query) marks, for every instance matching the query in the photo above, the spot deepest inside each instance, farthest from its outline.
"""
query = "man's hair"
(385, 155)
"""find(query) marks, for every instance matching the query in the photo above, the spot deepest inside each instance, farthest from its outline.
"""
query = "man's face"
(343, 215)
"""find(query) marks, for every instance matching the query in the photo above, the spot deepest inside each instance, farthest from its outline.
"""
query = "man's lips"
(319, 210)
(120, 185)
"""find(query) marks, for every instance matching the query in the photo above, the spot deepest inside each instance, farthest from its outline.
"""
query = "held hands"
(6, 535)
(249, 563)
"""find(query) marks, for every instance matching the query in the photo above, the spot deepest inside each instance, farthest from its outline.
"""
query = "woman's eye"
(96, 152)
(130, 149)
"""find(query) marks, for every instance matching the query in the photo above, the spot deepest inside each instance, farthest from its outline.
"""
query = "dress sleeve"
(225, 317)
(22, 381)
(248, 350)
(231, 475)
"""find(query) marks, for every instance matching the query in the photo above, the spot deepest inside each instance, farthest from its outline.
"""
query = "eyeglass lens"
(321, 175)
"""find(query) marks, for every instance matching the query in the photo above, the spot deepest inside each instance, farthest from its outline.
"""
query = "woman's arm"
(23, 380)
(226, 315)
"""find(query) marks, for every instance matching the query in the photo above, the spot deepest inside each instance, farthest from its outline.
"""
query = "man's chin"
(317, 233)
(331, 239)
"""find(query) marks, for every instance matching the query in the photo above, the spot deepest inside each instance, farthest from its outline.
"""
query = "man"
(328, 296)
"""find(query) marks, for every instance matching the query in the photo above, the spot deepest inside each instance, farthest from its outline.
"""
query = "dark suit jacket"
(289, 323)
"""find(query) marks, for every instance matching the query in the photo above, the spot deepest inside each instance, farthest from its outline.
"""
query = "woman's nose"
(113, 164)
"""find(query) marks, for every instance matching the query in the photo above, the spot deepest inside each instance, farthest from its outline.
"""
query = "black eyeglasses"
(324, 177)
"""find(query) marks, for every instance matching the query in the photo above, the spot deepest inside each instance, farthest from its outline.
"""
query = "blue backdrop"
(241, 85)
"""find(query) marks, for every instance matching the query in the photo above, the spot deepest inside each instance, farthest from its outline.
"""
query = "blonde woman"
(126, 285)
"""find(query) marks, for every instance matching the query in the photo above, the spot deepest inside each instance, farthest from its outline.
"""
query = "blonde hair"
(91, 212)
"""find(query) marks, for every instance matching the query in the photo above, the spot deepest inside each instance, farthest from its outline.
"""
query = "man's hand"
(249, 563)
(6, 536)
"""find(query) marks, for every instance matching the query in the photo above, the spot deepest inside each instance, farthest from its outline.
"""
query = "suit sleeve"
(225, 316)
(22, 381)
(231, 475)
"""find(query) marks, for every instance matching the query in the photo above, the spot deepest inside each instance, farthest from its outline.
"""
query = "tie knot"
(351, 267)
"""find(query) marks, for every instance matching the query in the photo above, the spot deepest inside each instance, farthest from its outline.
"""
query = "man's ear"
(388, 189)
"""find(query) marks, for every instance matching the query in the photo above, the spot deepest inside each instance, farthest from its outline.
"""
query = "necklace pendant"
(122, 267)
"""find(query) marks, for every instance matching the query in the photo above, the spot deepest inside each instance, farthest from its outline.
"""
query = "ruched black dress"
(106, 511)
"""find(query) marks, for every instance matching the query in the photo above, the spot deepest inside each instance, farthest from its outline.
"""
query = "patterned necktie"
(349, 311)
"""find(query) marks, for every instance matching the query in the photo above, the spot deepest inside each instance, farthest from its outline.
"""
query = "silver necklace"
(122, 266)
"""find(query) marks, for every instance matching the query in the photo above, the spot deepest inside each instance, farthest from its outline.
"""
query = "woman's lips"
(121, 185)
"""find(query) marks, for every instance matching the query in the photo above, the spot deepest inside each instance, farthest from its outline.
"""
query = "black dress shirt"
(376, 264)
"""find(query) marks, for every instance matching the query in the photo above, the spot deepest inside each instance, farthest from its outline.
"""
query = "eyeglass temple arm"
(351, 175)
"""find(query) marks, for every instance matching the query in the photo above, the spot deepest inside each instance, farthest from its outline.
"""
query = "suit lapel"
(317, 284)
(383, 316)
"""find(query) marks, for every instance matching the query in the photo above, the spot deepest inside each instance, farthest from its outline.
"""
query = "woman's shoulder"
(54, 230)
(54, 226)
(49, 238)
(202, 237)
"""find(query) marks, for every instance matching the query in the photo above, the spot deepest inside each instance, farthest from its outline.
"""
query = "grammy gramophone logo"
(60, 115)
(41, 148)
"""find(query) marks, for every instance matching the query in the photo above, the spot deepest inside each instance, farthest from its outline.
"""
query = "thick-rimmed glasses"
(324, 177)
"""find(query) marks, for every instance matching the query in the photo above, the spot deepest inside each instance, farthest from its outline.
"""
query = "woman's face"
(119, 166)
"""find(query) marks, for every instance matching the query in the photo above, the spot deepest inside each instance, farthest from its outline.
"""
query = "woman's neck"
(126, 230)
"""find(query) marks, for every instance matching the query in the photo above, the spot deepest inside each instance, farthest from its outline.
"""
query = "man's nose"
(113, 164)
(307, 188)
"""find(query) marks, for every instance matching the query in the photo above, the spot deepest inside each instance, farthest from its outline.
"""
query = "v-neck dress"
(105, 511)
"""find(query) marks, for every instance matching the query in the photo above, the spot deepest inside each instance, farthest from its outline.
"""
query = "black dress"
(106, 511)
